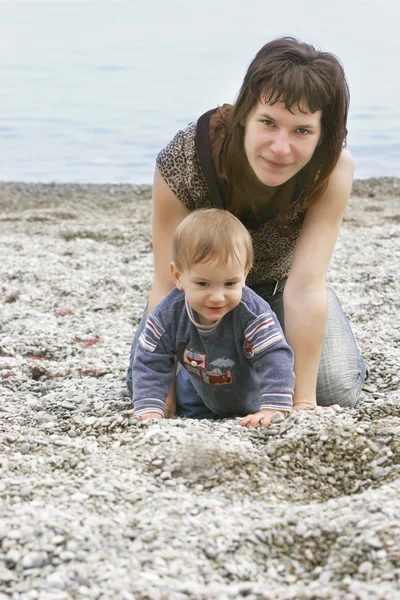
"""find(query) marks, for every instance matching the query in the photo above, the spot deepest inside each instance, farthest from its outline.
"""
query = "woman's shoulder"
(179, 167)
(340, 181)
(180, 149)
(345, 164)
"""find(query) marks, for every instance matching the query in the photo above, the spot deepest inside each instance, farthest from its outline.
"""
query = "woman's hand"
(264, 417)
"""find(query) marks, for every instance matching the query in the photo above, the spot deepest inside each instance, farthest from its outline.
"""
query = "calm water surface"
(92, 89)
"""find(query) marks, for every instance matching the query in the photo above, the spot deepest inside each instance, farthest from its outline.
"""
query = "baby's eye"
(202, 283)
(230, 283)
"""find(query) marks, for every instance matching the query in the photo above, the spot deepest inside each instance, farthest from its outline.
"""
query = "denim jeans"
(341, 371)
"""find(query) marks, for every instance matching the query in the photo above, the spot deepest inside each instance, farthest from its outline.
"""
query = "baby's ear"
(245, 274)
(176, 275)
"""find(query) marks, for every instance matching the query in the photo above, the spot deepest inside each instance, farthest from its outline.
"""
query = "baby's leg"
(188, 402)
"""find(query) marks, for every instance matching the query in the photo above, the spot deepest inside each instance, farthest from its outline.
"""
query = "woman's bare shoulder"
(345, 164)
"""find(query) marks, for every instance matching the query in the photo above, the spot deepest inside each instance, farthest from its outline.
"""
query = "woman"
(277, 160)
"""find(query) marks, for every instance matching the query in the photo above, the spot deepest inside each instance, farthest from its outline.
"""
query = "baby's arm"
(153, 369)
(272, 360)
(150, 415)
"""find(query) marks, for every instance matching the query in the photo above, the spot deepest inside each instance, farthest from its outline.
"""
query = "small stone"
(56, 580)
(68, 405)
(34, 560)
(277, 418)
(309, 555)
(378, 472)
(374, 542)
(131, 534)
(25, 447)
(301, 529)
(325, 577)
(6, 576)
(270, 431)
(365, 569)
(374, 447)
(12, 557)
(58, 540)
(211, 552)
(67, 555)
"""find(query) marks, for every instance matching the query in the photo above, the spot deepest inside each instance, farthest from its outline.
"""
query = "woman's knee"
(342, 388)
(342, 369)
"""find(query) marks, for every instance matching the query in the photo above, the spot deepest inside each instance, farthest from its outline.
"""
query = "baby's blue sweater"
(237, 366)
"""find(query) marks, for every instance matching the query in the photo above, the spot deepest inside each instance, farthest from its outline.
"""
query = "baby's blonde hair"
(211, 234)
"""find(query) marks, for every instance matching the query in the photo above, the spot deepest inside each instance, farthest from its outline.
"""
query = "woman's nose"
(281, 146)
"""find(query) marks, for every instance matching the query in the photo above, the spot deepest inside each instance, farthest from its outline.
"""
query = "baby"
(224, 335)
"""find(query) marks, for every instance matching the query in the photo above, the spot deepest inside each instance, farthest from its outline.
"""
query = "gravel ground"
(97, 506)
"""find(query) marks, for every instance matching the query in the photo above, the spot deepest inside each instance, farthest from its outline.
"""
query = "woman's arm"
(305, 296)
(168, 212)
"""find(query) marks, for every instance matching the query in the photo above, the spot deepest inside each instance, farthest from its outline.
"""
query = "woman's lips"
(275, 165)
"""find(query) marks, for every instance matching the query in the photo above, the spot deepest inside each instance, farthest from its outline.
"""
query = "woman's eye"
(302, 131)
(268, 123)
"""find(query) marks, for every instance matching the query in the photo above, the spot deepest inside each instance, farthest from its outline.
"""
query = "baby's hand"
(150, 415)
(264, 417)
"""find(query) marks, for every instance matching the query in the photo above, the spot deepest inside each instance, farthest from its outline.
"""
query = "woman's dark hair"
(287, 70)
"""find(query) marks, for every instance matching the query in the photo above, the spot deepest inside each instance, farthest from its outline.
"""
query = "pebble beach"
(96, 505)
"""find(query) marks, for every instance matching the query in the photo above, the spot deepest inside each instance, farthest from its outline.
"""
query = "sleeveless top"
(274, 241)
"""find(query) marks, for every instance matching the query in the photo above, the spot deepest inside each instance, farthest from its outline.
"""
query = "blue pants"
(341, 371)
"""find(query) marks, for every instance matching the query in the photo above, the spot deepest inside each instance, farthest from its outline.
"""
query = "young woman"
(277, 160)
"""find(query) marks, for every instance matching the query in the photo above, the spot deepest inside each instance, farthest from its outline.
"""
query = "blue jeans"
(341, 371)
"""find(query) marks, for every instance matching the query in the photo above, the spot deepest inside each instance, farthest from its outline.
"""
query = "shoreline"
(20, 194)
(98, 506)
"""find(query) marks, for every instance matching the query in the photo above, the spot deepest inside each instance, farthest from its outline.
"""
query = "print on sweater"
(217, 376)
(194, 362)
(218, 372)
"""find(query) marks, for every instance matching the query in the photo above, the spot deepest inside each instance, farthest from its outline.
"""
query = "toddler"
(224, 335)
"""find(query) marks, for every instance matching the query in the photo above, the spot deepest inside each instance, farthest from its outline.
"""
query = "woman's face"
(279, 142)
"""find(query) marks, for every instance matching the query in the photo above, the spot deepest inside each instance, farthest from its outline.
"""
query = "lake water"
(92, 89)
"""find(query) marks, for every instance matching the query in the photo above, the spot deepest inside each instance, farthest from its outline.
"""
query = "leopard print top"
(273, 243)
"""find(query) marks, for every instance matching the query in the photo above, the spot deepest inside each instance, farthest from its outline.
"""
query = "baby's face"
(212, 289)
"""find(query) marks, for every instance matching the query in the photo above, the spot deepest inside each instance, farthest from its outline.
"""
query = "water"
(93, 89)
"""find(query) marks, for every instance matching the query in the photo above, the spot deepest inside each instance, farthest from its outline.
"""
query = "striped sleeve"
(261, 334)
(153, 368)
(277, 400)
(273, 360)
(151, 334)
